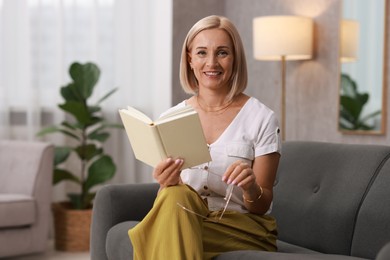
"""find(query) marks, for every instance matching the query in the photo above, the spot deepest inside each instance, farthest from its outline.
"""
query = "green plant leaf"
(76, 200)
(94, 109)
(101, 137)
(345, 125)
(88, 198)
(107, 95)
(85, 77)
(56, 129)
(96, 120)
(373, 114)
(105, 125)
(70, 93)
(69, 126)
(61, 154)
(88, 151)
(353, 106)
(81, 201)
(62, 175)
(48, 130)
(348, 86)
(70, 134)
(100, 171)
(363, 98)
(78, 110)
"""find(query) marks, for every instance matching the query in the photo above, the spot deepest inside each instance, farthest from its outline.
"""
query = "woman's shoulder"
(256, 106)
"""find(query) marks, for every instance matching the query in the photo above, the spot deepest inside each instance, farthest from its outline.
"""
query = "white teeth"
(214, 73)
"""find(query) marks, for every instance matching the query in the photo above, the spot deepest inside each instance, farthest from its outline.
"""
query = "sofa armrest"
(114, 204)
(384, 253)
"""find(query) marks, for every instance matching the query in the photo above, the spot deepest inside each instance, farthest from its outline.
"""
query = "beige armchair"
(25, 196)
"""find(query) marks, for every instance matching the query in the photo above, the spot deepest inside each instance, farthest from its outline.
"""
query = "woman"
(187, 220)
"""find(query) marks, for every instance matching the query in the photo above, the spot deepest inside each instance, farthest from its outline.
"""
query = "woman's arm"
(256, 181)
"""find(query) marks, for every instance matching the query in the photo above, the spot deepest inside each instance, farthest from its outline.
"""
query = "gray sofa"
(332, 201)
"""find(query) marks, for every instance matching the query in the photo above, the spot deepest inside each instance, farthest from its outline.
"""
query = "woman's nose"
(212, 61)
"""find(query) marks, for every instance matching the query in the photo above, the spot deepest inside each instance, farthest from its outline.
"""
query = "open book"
(176, 134)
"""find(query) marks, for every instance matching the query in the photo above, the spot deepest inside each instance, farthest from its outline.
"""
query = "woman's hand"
(167, 172)
(256, 181)
(241, 174)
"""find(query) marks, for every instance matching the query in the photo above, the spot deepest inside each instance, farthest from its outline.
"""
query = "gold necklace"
(220, 109)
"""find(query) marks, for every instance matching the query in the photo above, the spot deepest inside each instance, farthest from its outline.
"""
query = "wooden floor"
(52, 254)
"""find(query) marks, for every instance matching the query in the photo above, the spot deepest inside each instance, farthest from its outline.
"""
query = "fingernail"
(178, 161)
(169, 159)
(223, 178)
(229, 181)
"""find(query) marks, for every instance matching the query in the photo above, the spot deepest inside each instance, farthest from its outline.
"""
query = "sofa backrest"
(320, 190)
(20, 164)
(372, 230)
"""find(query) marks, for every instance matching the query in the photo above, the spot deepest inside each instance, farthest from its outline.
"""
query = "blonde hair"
(239, 76)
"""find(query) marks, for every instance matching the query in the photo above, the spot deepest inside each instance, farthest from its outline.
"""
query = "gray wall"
(312, 86)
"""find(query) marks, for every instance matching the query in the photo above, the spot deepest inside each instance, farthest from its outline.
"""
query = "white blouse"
(253, 132)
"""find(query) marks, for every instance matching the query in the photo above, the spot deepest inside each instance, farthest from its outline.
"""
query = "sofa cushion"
(118, 244)
(319, 190)
(16, 210)
(284, 247)
(384, 253)
(259, 255)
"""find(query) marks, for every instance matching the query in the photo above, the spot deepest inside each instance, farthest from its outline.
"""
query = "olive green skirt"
(170, 232)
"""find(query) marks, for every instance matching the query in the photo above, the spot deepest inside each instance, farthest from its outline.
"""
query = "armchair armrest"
(384, 253)
(114, 204)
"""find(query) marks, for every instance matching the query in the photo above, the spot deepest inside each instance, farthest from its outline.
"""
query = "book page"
(137, 114)
(184, 138)
(144, 139)
(176, 114)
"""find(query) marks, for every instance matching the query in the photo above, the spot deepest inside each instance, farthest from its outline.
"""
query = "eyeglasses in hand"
(228, 195)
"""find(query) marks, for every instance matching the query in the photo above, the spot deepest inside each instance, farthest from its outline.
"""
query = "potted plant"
(87, 129)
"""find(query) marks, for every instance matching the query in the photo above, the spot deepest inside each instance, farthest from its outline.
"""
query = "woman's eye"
(201, 53)
(222, 53)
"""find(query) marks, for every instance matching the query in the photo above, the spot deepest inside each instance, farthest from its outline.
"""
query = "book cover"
(177, 135)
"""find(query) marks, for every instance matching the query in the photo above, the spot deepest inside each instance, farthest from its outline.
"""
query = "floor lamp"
(283, 38)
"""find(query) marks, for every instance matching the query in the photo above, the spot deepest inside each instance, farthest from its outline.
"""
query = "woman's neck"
(212, 99)
(213, 108)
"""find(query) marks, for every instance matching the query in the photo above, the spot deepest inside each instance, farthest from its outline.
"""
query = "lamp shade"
(275, 37)
(349, 40)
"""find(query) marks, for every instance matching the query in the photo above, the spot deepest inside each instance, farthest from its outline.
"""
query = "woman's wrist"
(252, 197)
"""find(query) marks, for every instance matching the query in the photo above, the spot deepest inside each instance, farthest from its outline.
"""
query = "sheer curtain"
(129, 40)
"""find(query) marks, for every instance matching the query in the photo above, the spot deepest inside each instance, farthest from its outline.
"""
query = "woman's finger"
(168, 172)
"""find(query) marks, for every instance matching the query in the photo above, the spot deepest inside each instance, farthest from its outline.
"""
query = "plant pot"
(72, 227)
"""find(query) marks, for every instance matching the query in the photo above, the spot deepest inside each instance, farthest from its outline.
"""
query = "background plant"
(88, 129)
(352, 103)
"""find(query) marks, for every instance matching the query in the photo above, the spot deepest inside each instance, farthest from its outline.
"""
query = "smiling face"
(211, 57)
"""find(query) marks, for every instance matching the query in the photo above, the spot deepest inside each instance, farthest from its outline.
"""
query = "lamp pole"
(283, 97)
